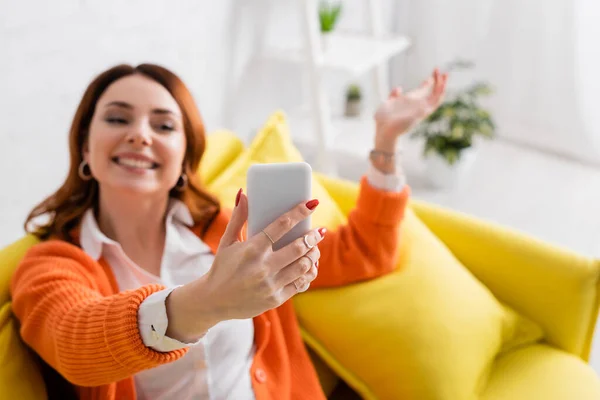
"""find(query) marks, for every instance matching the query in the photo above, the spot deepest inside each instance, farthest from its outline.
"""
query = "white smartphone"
(274, 189)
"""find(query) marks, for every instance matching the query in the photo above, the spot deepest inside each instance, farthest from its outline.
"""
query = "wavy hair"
(64, 209)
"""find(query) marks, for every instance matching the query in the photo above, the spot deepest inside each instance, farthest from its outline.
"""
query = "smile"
(134, 163)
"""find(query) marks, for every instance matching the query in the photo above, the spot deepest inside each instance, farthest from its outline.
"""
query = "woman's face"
(136, 140)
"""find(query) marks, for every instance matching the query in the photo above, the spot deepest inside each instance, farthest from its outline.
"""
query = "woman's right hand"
(247, 278)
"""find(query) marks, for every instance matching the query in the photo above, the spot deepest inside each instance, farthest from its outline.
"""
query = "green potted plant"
(452, 132)
(329, 14)
(353, 100)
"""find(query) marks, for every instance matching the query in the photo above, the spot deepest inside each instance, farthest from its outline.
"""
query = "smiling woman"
(147, 289)
(113, 138)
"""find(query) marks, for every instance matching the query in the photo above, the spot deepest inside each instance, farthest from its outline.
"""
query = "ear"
(184, 169)
(85, 151)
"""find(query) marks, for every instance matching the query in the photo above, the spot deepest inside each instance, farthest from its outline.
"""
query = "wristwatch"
(382, 156)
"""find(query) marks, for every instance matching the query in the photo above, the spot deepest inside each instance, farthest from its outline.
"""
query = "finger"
(423, 90)
(426, 85)
(436, 78)
(395, 93)
(428, 82)
(298, 247)
(436, 93)
(286, 222)
(298, 268)
(233, 232)
(303, 283)
(299, 286)
(445, 84)
(442, 90)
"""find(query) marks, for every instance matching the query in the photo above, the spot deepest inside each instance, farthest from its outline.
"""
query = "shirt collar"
(92, 239)
(178, 211)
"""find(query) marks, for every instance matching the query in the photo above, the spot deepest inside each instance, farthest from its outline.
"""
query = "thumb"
(234, 230)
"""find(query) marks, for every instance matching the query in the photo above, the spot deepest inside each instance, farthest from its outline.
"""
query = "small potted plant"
(353, 101)
(452, 132)
(328, 17)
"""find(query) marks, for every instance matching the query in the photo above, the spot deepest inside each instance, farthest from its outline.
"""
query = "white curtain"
(542, 56)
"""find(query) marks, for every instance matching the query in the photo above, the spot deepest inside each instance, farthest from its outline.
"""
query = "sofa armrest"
(556, 288)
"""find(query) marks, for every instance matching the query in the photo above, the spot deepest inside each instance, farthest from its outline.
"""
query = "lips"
(134, 162)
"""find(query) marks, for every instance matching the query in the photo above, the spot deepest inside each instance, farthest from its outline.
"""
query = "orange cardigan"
(73, 315)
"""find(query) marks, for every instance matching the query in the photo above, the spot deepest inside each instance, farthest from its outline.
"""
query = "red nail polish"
(237, 198)
(312, 204)
(322, 231)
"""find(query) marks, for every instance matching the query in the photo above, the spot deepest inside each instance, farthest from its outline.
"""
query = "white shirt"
(218, 365)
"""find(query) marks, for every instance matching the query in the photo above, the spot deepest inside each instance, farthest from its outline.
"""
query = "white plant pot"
(445, 176)
(353, 108)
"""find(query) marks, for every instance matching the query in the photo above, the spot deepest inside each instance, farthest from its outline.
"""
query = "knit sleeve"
(87, 335)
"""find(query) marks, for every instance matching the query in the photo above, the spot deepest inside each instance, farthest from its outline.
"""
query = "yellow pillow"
(10, 256)
(273, 144)
(542, 372)
(559, 287)
(20, 377)
(430, 330)
(222, 147)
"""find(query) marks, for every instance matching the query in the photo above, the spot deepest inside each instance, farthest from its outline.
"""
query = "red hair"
(67, 205)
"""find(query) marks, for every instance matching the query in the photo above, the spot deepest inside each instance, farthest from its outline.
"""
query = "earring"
(85, 176)
(182, 182)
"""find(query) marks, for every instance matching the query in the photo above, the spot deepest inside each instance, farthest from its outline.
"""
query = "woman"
(144, 288)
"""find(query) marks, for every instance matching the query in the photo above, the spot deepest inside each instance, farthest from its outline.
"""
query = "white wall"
(540, 55)
(49, 52)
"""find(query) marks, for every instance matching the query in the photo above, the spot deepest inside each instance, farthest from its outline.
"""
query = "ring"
(306, 242)
(311, 260)
(269, 237)
(302, 288)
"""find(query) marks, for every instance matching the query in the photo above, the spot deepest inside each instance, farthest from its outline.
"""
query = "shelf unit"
(352, 136)
(348, 53)
(353, 53)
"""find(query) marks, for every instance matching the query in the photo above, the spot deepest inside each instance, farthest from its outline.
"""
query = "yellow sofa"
(558, 289)
(518, 270)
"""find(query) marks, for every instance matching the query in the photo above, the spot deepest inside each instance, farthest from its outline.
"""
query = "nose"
(139, 136)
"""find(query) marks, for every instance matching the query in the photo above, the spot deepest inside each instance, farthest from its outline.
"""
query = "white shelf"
(352, 136)
(352, 53)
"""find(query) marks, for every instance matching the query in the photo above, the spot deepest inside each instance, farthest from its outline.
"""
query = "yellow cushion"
(559, 287)
(541, 372)
(222, 147)
(10, 257)
(273, 144)
(19, 375)
(428, 331)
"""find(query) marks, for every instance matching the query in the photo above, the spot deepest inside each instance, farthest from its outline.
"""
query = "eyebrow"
(128, 106)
